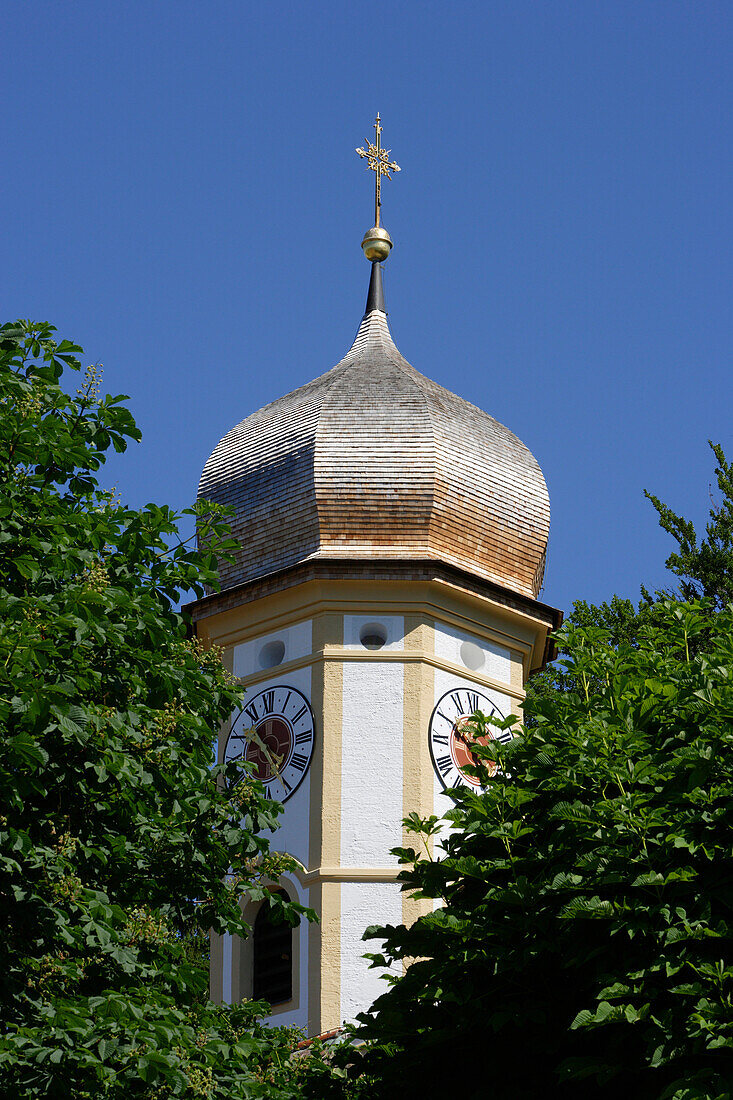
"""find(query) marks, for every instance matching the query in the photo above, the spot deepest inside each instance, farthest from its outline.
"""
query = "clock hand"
(273, 760)
(460, 727)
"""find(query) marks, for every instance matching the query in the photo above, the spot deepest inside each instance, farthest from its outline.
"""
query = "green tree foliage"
(118, 848)
(619, 618)
(703, 568)
(583, 946)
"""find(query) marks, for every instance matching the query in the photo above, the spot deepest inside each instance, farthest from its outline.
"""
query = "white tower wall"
(371, 764)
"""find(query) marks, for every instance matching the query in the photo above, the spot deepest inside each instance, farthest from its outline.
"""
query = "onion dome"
(372, 460)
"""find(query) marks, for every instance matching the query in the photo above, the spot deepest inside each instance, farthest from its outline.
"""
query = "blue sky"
(181, 196)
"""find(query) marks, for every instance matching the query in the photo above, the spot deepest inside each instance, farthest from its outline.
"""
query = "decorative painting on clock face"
(275, 732)
(450, 737)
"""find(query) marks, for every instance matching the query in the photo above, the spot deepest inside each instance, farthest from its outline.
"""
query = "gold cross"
(379, 162)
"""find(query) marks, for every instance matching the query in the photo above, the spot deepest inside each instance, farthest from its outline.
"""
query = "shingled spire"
(372, 460)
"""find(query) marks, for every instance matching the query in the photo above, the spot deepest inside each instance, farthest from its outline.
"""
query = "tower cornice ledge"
(381, 570)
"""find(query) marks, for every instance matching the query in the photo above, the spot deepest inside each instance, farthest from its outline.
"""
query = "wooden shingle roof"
(374, 460)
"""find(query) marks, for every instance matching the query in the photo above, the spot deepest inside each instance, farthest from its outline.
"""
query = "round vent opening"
(272, 654)
(472, 656)
(373, 635)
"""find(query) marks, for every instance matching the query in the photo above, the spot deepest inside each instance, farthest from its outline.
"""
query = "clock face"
(451, 739)
(275, 732)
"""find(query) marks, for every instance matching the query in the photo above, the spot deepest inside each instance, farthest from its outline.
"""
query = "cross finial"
(378, 161)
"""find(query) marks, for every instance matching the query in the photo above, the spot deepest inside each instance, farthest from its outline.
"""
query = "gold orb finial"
(376, 244)
(377, 241)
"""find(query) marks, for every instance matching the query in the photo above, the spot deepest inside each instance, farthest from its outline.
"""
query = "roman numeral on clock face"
(467, 702)
(444, 764)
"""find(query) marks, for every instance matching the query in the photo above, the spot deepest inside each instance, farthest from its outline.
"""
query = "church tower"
(391, 547)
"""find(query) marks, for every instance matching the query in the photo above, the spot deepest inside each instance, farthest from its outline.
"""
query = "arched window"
(272, 950)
